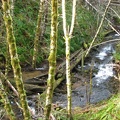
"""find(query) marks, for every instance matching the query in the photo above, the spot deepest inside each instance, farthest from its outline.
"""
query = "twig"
(115, 12)
(64, 16)
(10, 85)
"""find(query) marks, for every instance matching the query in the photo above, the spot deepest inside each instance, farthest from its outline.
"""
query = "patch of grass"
(117, 54)
(105, 110)
(110, 110)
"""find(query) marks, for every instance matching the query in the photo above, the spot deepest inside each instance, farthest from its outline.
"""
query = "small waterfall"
(104, 63)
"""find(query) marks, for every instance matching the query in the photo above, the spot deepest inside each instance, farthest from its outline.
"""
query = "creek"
(97, 81)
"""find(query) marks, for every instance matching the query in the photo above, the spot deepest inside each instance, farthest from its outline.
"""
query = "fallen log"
(59, 77)
(75, 59)
(31, 89)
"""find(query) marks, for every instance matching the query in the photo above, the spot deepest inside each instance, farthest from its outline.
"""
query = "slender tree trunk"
(44, 22)
(99, 27)
(14, 58)
(12, 7)
(68, 75)
(52, 58)
(37, 34)
(6, 102)
(7, 62)
(67, 36)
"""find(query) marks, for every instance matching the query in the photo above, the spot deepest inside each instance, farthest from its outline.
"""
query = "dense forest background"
(92, 24)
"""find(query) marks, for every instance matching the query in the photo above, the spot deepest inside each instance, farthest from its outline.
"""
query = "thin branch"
(110, 23)
(114, 29)
(10, 85)
(113, 40)
(64, 18)
(115, 12)
(99, 27)
(73, 17)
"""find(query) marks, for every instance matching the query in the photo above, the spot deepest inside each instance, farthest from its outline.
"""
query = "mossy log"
(31, 89)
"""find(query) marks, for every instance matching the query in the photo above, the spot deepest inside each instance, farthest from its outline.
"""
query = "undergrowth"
(106, 110)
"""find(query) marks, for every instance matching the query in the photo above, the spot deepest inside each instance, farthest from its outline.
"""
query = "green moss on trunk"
(14, 58)
(37, 35)
(52, 58)
(6, 102)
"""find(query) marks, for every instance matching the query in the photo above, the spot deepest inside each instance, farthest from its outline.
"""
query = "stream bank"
(95, 81)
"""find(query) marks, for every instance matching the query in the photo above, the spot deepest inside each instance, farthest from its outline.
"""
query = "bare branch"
(98, 27)
(110, 23)
(64, 17)
(73, 17)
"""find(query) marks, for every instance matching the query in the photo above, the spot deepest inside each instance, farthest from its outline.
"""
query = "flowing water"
(98, 87)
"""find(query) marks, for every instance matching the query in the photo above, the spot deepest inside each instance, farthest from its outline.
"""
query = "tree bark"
(67, 37)
(52, 58)
(14, 58)
(37, 34)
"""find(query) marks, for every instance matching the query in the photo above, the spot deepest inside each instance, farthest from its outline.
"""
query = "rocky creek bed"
(97, 81)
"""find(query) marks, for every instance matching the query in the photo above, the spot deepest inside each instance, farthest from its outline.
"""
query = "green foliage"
(60, 114)
(117, 54)
(111, 111)
(106, 110)
(85, 27)
(25, 20)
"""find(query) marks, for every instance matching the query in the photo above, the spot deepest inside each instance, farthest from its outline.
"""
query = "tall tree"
(37, 34)
(67, 37)
(52, 57)
(14, 58)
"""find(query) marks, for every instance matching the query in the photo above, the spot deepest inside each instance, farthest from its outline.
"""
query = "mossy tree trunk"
(14, 58)
(37, 34)
(67, 37)
(52, 58)
(7, 62)
(4, 97)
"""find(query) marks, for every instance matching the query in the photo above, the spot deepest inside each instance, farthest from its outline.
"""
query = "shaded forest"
(51, 54)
